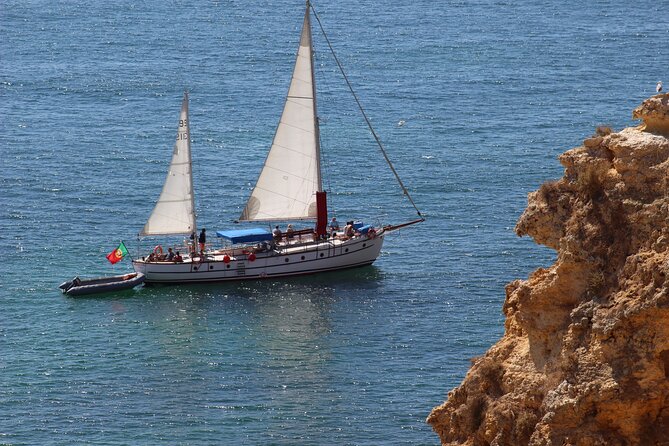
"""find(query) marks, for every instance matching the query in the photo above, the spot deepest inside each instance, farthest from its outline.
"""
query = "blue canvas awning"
(246, 235)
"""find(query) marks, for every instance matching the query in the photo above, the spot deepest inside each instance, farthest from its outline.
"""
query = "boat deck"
(285, 247)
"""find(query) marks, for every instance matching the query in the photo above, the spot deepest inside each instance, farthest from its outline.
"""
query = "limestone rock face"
(654, 114)
(585, 355)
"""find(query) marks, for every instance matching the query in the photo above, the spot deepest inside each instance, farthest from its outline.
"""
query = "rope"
(364, 115)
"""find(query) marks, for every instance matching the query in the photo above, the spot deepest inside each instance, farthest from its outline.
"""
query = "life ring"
(226, 259)
(158, 250)
(252, 257)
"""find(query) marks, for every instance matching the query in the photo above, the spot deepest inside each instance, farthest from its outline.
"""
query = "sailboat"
(289, 188)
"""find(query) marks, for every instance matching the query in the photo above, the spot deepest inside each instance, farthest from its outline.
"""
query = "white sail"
(287, 184)
(175, 210)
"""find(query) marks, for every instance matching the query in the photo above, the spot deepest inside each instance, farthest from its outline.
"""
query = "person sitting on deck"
(170, 254)
(334, 224)
(277, 234)
(349, 230)
(334, 227)
(177, 258)
(289, 232)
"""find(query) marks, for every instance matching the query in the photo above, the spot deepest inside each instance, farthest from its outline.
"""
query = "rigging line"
(325, 165)
(364, 115)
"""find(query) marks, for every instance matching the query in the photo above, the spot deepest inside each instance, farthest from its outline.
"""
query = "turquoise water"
(490, 93)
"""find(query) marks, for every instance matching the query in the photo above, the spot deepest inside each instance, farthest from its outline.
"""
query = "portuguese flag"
(117, 254)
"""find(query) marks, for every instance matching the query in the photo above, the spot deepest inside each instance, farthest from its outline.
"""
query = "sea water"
(474, 101)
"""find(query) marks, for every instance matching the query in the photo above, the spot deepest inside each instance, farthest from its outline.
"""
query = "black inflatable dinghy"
(79, 287)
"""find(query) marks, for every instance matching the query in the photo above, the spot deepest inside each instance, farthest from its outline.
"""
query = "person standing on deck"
(202, 239)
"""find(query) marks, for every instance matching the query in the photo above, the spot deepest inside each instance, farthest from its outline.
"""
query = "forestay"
(174, 212)
(286, 187)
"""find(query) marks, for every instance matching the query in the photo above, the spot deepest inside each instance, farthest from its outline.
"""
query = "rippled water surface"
(473, 100)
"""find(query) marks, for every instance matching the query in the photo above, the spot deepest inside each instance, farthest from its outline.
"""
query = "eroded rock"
(585, 355)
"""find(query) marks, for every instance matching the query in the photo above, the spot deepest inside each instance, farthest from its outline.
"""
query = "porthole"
(227, 266)
(302, 257)
(195, 268)
(287, 259)
(322, 254)
(346, 250)
(211, 266)
(364, 244)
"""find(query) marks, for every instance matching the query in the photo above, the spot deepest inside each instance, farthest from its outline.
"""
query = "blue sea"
(474, 101)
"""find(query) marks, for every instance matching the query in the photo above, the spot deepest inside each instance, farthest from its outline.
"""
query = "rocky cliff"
(585, 355)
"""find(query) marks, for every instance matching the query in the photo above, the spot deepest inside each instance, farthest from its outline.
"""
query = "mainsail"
(287, 185)
(175, 210)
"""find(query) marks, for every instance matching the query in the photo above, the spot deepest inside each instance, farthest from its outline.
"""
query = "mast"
(317, 132)
(321, 196)
(186, 100)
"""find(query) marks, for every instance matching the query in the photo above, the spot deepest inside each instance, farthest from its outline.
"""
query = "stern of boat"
(139, 266)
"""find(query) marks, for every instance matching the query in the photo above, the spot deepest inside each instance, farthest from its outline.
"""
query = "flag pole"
(126, 248)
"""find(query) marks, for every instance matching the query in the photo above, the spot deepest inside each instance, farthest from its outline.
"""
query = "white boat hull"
(288, 260)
